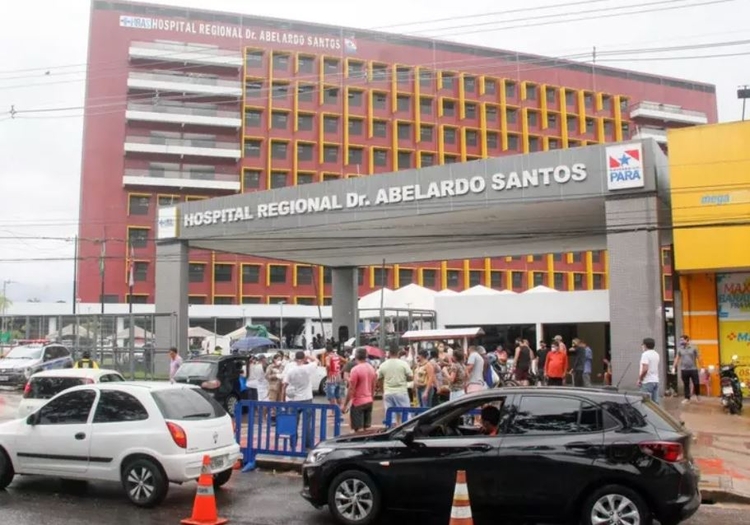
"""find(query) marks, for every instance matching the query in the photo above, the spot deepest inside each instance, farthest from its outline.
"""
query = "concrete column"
(308, 332)
(171, 302)
(345, 312)
(635, 283)
(120, 325)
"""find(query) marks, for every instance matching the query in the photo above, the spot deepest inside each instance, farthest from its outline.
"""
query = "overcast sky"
(40, 156)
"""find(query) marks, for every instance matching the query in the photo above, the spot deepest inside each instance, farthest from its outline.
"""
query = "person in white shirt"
(297, 387)
(648, 379)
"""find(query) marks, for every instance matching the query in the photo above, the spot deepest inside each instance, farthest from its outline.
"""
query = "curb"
(279, 464)
(710, 496)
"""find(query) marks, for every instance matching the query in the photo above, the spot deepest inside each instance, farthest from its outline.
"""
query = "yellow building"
(710, 178)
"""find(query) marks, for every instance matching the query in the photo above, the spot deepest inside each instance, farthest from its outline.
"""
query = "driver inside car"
(490, 420)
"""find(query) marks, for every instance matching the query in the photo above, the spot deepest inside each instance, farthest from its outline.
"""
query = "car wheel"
(222, 478)
(144, 483)
(230, 403)
(615, 504)
(322, 387)
(353, 498)
(6, 470)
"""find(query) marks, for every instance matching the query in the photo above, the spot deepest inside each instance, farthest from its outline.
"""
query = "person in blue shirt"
(587, 364)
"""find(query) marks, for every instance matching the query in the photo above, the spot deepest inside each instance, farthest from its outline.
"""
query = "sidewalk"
(721, 448)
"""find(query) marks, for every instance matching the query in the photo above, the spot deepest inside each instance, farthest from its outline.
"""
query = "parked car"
(560, 455)
(218, 375)
(23, 361)
(43, 386)
(142, 435)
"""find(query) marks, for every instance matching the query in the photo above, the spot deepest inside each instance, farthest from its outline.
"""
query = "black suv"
(218, 375)
(557, 455)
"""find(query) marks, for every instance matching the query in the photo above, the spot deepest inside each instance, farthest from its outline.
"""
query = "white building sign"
(168, 223)
(625, 167)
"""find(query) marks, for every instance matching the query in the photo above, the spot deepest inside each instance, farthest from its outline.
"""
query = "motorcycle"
(731, 387)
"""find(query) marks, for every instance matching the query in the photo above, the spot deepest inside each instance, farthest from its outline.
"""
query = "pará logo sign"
(625, 167)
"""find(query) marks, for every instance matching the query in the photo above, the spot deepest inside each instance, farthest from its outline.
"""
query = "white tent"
(414, 297)
(372, 299)
(138, 333)
(480, 290)
(507, 292)
(541, 289)
(69, 331)
(241, 332)
(447, 291)
(199, 332)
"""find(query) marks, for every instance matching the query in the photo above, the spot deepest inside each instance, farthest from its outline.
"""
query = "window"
(138, 204)
(404, 160)
(596, 256)
(380, 157)
(168, 200)
(251, 179)
(117, 407)
(196, 299)
(425, 106)
(253, 118)
(517, 280)
(425, 78)
(330, 176)
(535, 144)
(254, 59)
(279, 90)
(551, 95)
(304, 122)
(429, 278)
(448, 80)
(606, 103)
(538, 279)
(305, 64)
(306, 301)
(533, 118)
(379, 100)
(355, 98)
(279, 119)
(355, 69)
(279, 179)
(590, 125)
(531, 91)
(223, 273)
(559, 281)
(253, 88)
(578, 281)
(356, 155)
(609, 128)
(280, 61)
(140, 271)
(277, 273)
(330, 153)
(196, 273)
(666, 257)
(572, 123)
(427, 159)
(327, 276)
(403, 75)
(331, 65)
(250, 274)
(304, 151)
(510, 89)
(496, 279)
(405, 276)
(379, 72)
(570, 98)
(548, 415)
(279, 150)
(223, 299)
(138, 237)
(577, 257)
(331, 96)
(252, 148)
(68, 409)
(449, 108)
(554, 144)
(625, 130)
(249, 299)
(379, 128)
(305, 92)
(426, 133)
(453, 278)
(493, 140)
(492, 113)
(330, 124)
(449, 135)
(304, 275)
(381, 276)
(404, 130)
(475, 277)
(513, 142)
(472, 137)
(598, 281)
(305, 178)
(511, 115)
(573, 143)
(668, 283)
(557, 257)
(450, 159)
(403, 102)
(588, 100)
(470, 110)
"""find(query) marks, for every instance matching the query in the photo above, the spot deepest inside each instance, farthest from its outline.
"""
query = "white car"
(43, 386)
(142, 435)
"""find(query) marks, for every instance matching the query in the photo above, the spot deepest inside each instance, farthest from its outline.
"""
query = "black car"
(559, 455)
(219, 375)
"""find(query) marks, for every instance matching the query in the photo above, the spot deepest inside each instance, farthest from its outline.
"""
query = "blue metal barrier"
(282, 429)
(402, 414)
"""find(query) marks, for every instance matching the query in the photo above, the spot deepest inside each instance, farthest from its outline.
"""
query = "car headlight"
(317, 455)
(27, 372)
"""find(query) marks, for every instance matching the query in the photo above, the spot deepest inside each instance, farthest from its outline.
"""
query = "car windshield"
(187, 403)
(199, 369)
(49, 387)
(25, 352)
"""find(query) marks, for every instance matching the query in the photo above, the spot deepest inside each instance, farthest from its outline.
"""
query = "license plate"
(218, 462)
(727, 390)
(4, 378)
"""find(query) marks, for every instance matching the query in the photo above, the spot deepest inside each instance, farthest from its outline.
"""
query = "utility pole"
(102, 255)
(6, 282)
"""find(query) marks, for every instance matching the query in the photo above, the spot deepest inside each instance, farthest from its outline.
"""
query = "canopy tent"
(541, 289)
(447, 292)
(199, 332)
(138, 333)
(373, 300)
(479, 290)
(415, 297)
(69, 331)
(241, 333)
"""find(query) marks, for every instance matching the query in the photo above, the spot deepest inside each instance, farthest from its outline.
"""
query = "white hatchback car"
(142, 435)
(43, 386)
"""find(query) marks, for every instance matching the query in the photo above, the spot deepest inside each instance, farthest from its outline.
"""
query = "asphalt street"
(256, 498)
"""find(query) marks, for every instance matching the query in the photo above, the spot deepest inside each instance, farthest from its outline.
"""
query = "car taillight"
(664, 450)
(178, 434)
(27, 389)
(210, 385)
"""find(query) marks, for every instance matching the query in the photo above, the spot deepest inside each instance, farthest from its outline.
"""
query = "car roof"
(92, 373)
(600, 394)
(138, 386)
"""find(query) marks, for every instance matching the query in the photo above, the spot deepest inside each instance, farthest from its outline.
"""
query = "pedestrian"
(273, 376)
(475, 371)
(522, 362)
(334, 377)
(360, 392)
(648, 379)
(541, 359)
(424, 379)
(577, 360)
(556, 365)
(86, 361)
(297, 387)
(456, 375)
(688, 363)
(175, 362)
(588, 362)
(395, 374)
(148, 361)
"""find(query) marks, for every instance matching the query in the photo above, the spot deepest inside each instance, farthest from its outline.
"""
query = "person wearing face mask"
(273, 375)
(556, 365)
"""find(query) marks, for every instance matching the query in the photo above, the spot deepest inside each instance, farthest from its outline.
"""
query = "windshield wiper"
(198, 414)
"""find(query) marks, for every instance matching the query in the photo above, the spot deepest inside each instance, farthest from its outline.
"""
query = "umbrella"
(248, 343)
(373, 352)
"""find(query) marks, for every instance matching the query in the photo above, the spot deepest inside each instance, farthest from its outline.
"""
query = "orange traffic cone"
(204, 508)
(461, 510)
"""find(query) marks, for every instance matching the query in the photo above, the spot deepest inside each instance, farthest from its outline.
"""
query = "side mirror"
(407, 438)
(32, 419)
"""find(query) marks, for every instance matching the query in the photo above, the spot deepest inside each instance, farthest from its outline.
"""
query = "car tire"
(230, 404)
(144, 482)
(222, 478)
(322, 387)
(609, 499)
(6, 470)
(354, 498)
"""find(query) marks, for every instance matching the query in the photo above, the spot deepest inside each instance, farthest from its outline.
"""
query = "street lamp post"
(281, 323)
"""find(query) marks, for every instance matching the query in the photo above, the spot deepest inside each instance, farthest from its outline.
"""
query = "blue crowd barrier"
(282, 429)
(402, 414)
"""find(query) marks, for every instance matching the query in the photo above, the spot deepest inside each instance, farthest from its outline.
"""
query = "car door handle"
(80, 436)
(480, 447)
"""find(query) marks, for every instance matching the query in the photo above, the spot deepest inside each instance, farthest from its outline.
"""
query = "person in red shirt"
(359, 396)
(556, 365)
(334, 378)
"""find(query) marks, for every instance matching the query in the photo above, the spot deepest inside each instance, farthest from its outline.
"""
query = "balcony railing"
(181, 52)
(183, 109)
(184, 114)
(667, 112)
(648, 132)
(201, 147)
(184, 82)
(183, 179)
